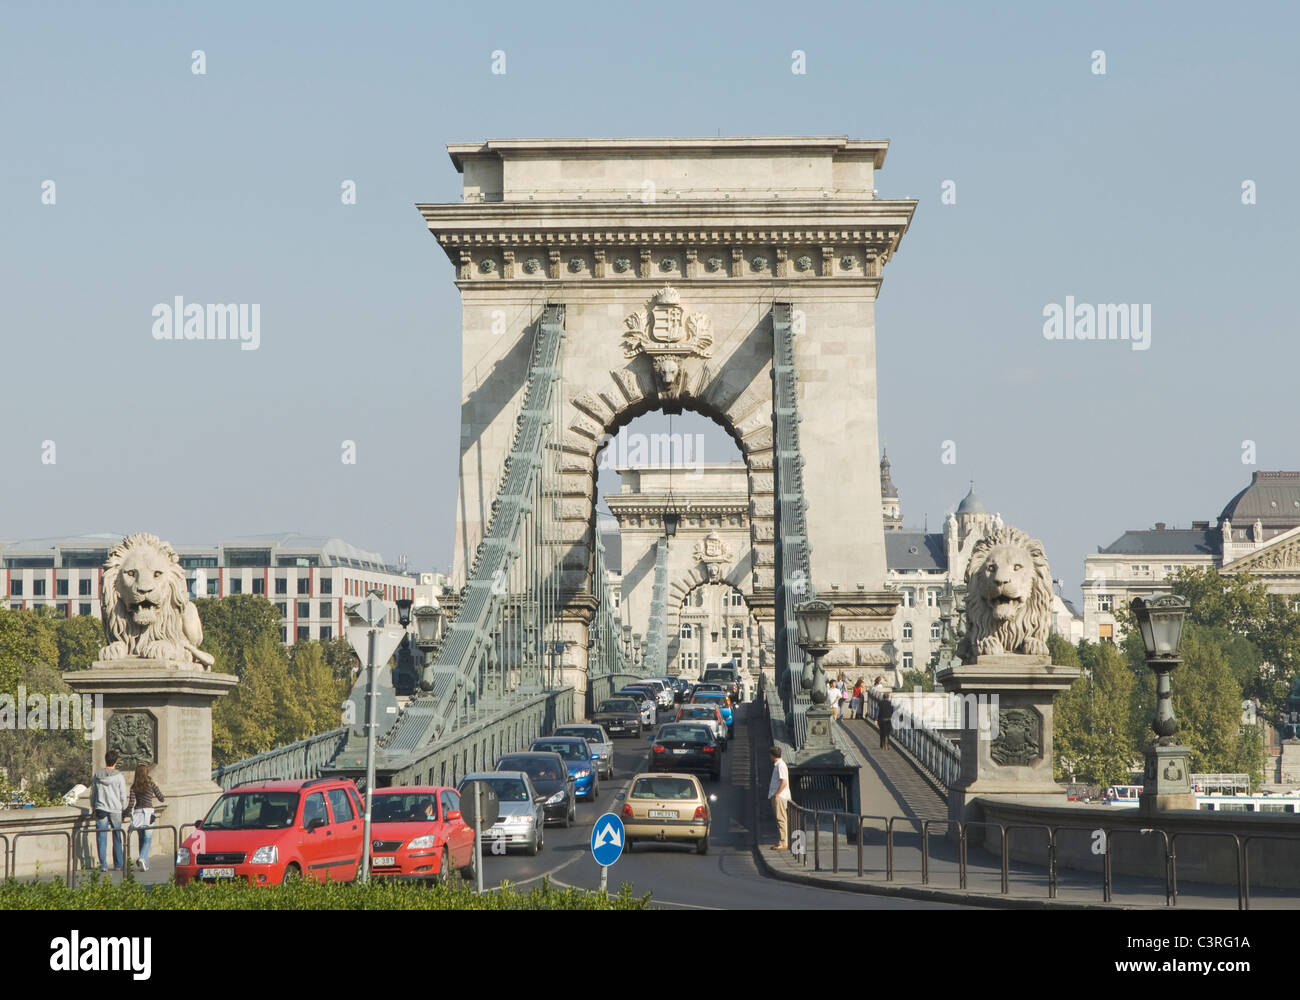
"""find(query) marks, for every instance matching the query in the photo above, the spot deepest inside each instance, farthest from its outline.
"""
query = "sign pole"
(604, 878)
(371, 722)
(478, 841)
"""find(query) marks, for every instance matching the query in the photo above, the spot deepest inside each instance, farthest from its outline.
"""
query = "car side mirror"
(315, 823)
(198, 825)
(453, 815)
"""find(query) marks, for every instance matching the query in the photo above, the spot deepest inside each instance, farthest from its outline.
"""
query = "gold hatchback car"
(667, 806)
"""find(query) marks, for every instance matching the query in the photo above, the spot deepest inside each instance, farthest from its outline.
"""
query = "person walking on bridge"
(884, 718)
(778, 792)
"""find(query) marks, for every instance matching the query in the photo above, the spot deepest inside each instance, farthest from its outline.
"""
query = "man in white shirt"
(778, 791)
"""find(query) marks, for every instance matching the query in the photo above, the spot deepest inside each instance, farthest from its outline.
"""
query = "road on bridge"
(727, 877)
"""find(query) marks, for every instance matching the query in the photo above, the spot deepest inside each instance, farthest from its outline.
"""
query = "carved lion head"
(144, 597)
(1008, 595)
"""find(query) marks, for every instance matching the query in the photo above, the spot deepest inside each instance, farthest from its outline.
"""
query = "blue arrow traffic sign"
(607, 840)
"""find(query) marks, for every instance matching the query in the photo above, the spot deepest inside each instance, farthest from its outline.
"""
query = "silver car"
(520, 821)
(602, 747)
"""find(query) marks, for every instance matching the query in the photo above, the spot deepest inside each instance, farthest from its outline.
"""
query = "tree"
(316, 695)
(79, 640)
(233, 626)
(248, 721)
(1091, 733)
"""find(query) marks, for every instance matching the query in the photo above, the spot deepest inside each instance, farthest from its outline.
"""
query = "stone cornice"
(773, 222)
(667, 145)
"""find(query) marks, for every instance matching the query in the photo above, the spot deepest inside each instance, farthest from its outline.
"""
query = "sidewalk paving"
(891, 785)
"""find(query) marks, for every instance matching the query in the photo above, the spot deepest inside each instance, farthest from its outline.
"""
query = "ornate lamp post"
(1166, 780)
(814, 618)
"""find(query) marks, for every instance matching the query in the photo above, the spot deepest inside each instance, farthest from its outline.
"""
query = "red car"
(268, 832)
(417, 832)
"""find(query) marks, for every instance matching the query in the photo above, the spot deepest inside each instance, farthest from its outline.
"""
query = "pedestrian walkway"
(920, 861)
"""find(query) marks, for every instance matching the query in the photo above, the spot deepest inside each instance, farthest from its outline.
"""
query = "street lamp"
(428, 626)
(671, 521)
(814, 618)
(1166, 781)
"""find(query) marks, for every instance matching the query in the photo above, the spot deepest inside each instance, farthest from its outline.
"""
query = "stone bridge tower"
(668, 255)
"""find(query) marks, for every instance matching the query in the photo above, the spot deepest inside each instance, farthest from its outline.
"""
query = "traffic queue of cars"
(270, 832)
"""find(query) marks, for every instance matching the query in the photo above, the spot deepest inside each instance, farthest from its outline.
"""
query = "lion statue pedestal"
(158, 713)
(152, 686)
(1006, 679)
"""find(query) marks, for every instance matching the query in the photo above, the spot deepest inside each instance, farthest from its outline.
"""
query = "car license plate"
(663, 814)
(384, 861)
(216, 873)
(681, 751)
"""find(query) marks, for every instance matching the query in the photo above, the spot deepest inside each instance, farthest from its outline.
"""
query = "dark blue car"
(578, 758)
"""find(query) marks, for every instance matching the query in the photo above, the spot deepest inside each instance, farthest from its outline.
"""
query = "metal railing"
(303, 759)
(65, 834)
(810, 823)
(933, 752)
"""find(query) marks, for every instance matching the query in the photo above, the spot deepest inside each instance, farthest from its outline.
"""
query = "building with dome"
(1258, 531)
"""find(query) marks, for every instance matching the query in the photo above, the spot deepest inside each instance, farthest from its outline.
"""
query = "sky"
(224, 186)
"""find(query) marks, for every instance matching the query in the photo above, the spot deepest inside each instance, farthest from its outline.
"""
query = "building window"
(284, 633)
(212, 588)
(699, 598)
(737, 630)
(907, 661)
(326, 633)
(1106, 633)
(326, 585)
(737, 599)
(281, 585)
(259, 585)
(935, 631)
(1105, 602)
(236, 585)
(304, 609)
(907, 598)
(326, 609)
(690, 661)
(83, 588)
(304, 585)
(284, 609)
(15, 587)
(60, 588)
(618, 598)
(85, 609)
(931, 597)
(38, 588)
(907, 630)
(304, 633)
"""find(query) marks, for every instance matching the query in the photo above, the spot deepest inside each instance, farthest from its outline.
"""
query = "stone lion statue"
(147, 609)
(1008, 596)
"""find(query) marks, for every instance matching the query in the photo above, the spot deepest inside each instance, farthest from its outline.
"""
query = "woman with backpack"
(140, 804)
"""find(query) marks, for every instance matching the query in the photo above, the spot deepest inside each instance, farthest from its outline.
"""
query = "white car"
(646, 705)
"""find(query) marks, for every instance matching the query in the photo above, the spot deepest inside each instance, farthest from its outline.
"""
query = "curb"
(919, 893)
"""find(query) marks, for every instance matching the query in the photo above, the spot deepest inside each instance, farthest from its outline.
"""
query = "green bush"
(96, 893)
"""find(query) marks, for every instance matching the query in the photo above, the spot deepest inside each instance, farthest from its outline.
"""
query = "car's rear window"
(709, 696)
(536, 767)
(567, 750)
(698, 713)
(582, 732)
(691, 734)
(663, 788)
(617, 705)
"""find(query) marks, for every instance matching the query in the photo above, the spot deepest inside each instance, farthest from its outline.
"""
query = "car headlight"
(557, 798)
(586, 773)
(423, 843)
(183, 856)
(265, 856)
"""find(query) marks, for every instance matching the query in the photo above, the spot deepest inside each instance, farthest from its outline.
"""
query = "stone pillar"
(1006, 734)
(157, 712)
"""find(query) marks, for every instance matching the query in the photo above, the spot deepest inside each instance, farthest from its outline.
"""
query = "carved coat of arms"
(715, 553)
(668, 335)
